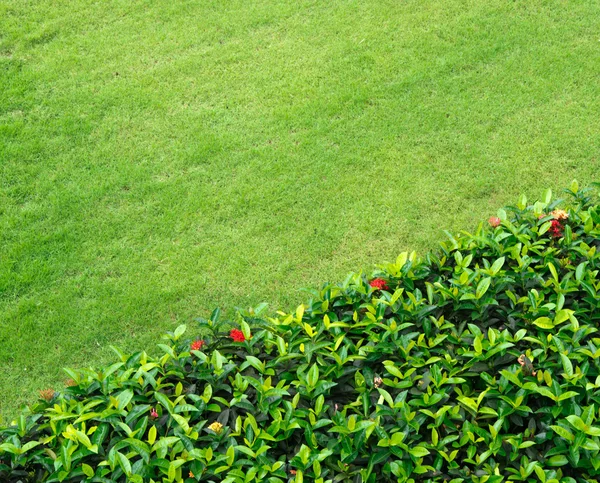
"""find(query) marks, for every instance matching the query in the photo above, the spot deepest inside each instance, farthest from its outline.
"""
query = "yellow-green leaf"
(152, 435)
(543, 323)
(477, 345)
(87, 470)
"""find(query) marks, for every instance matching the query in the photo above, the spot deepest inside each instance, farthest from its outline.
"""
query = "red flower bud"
(237, 335)
(379, 284)
(197, 345)
(556, 229)
(494, 221)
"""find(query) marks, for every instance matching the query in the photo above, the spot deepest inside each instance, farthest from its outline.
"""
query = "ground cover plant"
(477, 362)
(161, 158)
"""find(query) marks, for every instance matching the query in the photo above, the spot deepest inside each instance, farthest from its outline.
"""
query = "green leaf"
(66, 456)
(562, 316)
(124, 397)
(522, 203)
(183, 422)
(482, 287)
(313, 375)
(544, 391)
(230, 455)
(135, 412)
(397, 438)
(386, 396)
(164, 401)
(511, 377)
(563, 433)
(526, 444)
(152, 435)
(281, 346)
(215, 316)
(492, 336)
(100, 434)
(470, 403)
(567, 366)
(165, 442)
(418, 451)
(558, 460)
(544, 228)
(552, 269)
(246, 329)
(577, 422)
(179, 331)
(319, 404)
(256, 363)
(567, 395)
(10, 448)
(543, 323)
(497, 265)
(580, 271)
(477, 345)
(87, 470)
(590, 445)
(304, 454)
(592, 431)
(83, 439)
(300, 313)
(32, 444)
(142, 448)
(125, 464)
(574, 186)
(539, 471)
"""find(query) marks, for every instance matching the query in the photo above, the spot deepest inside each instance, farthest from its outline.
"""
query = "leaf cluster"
(479, 362)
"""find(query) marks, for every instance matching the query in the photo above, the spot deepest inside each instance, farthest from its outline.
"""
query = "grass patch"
(159, 159)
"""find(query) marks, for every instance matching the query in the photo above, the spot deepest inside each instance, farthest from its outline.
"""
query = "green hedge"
(478, 363)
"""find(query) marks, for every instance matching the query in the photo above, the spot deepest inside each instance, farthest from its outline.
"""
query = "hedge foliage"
(479, 362)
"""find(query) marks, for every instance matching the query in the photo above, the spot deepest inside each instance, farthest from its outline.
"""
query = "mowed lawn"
(161, 158)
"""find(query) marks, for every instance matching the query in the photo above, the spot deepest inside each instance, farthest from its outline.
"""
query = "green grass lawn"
(161, 158)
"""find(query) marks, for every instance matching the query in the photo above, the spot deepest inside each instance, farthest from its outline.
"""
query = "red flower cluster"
(379, 284)
(197, 345)
(237, 335)
(153, 413)
(556, 230)
(494, 221)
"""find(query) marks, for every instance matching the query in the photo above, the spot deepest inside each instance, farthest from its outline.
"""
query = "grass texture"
(161, 158)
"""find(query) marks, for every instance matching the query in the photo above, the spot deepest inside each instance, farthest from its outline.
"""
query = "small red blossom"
(494, 221)
(379, 284)
(197, 345)
(237, 335)
(556, 229)
(153, 413)
(293, 472)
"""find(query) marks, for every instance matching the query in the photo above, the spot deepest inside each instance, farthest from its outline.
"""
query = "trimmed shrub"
(479, 362)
